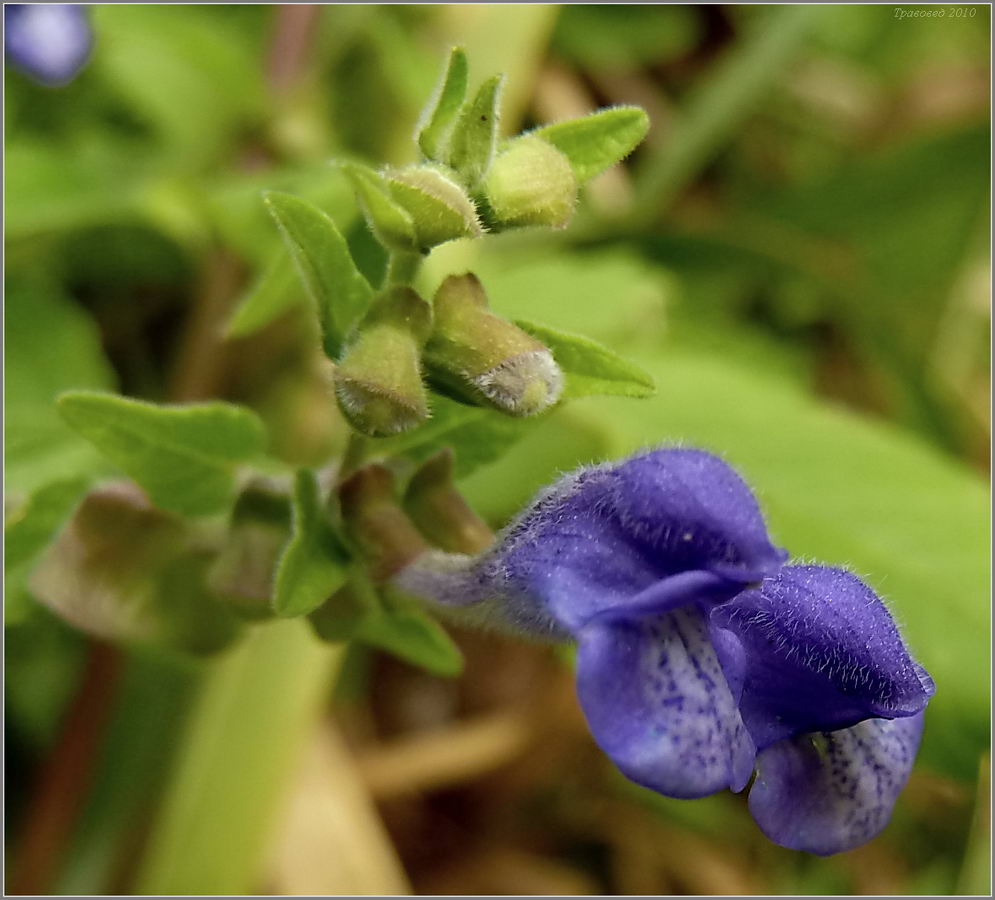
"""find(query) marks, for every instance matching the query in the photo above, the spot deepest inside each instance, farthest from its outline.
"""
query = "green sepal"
(314, 564)
(590, 368)
(597, 142)
(474, 136)
(529, 183)
(340, 292)
(378, 383)
(440, 113)
(184, 456)
(480, 358)
(439, 208)
(389, 220)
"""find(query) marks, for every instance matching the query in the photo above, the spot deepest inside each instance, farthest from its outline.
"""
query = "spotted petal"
(602, 538)
(815, 650)
(658, 704)
(830, 792)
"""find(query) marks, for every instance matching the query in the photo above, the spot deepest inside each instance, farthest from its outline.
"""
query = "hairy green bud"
(480, 358)
(531, 183)
(378, 380)
(439, 208)
(415, 208)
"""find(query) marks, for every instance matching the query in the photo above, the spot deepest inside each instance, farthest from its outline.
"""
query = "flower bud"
(374, 520)
(531, 183)
(439, 208)
(49, 41)
(414, 208)
(439, 511)
(478, 357)
(242, 573)
(378, 381)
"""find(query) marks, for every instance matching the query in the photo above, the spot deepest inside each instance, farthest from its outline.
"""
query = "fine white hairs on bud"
(522, 385)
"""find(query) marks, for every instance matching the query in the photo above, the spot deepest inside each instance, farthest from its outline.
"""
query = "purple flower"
(702, 658)
(48, 41)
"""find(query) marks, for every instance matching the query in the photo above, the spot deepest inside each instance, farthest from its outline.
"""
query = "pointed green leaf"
(598, 141)
(273, 292)
(471, 146)
(324, 264)
(406, 631)
(313, 565)
(591, 368)
(390, 222)
(441, 111)
(183, 456)
(27, 531)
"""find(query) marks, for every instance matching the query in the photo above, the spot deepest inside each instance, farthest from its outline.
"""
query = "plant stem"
(403, 267)
(65, 777)
(245, 735)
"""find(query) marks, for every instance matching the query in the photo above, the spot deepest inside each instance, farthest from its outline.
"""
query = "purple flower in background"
(48, 41)
(702, 658)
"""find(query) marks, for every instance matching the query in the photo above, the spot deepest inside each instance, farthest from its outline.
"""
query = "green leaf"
(324, 264)
(598, 141)
(384, 618)
(27, 531)
(442, 109)
(273, 293)
(183, 456)
(51, 345)
(474, 137)
(590, 368)
(390, 222)
(476, 434)
(408, 632)
(313, 565)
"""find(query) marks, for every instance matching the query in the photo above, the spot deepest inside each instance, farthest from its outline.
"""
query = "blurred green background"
(799, 253)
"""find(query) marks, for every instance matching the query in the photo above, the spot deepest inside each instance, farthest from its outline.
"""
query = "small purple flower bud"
(50, 42)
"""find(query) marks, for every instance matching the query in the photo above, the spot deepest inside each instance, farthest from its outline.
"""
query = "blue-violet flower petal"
(830, 792)
(48, 41)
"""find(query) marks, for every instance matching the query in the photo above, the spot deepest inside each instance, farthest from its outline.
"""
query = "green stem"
(403, 267)
(257, 707)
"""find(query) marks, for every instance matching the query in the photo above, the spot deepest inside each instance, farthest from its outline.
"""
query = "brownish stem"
(65, 777)
(292, 39)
